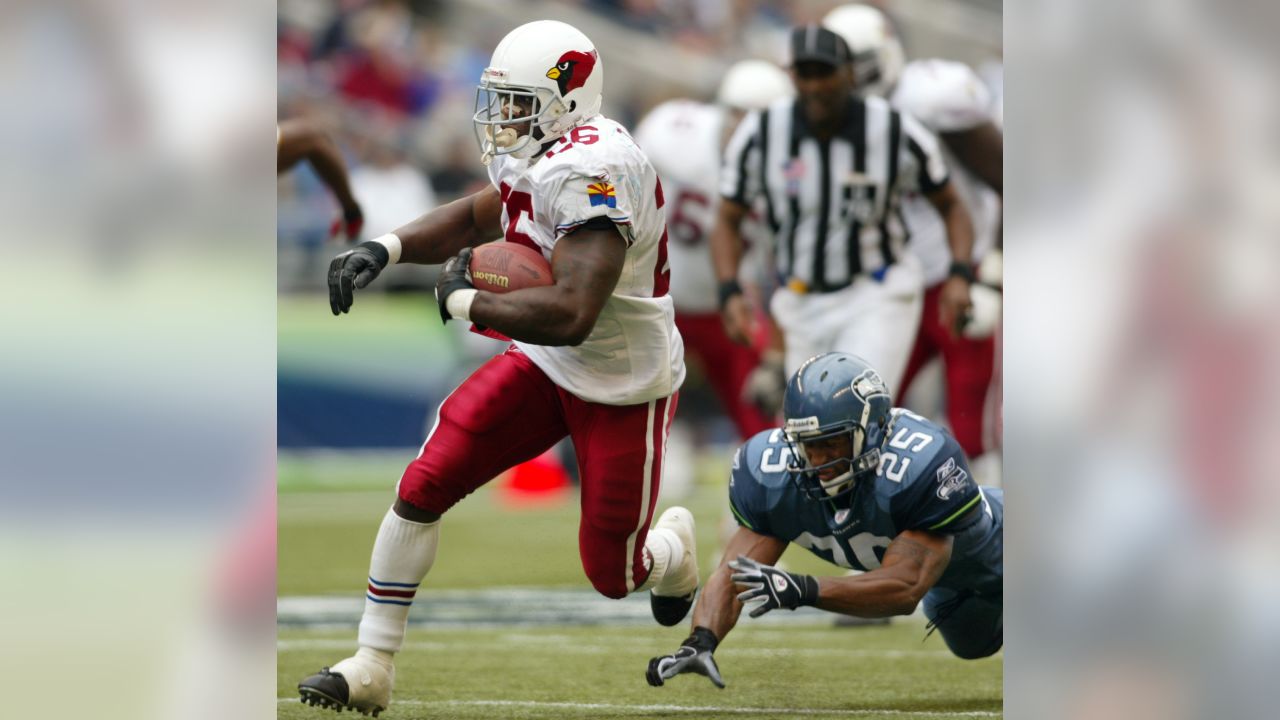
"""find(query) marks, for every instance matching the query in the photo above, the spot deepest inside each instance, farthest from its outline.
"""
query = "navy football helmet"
(830, 396)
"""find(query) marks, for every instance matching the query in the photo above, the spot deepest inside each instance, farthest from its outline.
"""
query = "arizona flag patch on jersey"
(602, 193)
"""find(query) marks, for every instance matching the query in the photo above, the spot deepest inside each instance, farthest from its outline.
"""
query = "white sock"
(402, 555)
(667, 554)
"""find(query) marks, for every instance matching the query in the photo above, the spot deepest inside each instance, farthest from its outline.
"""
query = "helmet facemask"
(867, 74)
(803, 436)
(501, 110)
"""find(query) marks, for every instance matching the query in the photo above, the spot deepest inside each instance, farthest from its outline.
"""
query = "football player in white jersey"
(684, 140)
(596, 355)
(948, 98)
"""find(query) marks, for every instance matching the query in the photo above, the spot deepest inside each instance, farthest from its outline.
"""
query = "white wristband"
(392, 243)
(459, 303)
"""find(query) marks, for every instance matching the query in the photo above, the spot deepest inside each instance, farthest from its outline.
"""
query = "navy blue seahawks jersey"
(923, 483)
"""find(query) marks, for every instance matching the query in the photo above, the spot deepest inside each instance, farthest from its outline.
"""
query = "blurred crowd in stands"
(395, 82)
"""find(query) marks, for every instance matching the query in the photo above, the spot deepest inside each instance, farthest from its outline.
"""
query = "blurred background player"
(950, 100)
(305, 139)
(863, 485)
(596, 355)
(684, 139)
(391, 190)
(832, 168)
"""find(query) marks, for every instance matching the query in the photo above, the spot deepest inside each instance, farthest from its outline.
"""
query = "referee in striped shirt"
(828, 168)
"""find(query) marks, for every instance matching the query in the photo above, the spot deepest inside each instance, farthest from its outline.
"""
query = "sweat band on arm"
(459, 303)
(392, 243)
(726, 290)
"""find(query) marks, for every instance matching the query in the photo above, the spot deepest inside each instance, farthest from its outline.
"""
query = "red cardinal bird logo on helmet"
(572, 70)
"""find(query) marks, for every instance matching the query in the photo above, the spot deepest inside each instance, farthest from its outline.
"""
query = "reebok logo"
(780, 583)
(951, 479)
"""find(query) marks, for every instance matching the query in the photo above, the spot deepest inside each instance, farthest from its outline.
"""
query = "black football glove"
(355, 268)
(771, 587)
(454, 276)
(694, 656)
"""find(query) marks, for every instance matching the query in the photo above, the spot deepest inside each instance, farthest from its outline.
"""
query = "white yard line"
(496, 607)
(774, 712)
(566, 647)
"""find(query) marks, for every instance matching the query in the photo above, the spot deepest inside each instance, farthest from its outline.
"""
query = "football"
(501, 267)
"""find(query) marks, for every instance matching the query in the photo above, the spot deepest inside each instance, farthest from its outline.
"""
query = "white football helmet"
(877, 53)
(753, 85)
(546, 74)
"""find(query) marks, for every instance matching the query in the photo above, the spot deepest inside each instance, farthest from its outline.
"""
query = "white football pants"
(876, 321)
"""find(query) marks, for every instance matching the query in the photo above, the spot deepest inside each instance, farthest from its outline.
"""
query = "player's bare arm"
(726, 256)
(913, 562)
(585, 267)
(445, 231)
(432, 238)
(981, 150)
(715, 614)
(954, 303)
(305, 139)
(718, 607)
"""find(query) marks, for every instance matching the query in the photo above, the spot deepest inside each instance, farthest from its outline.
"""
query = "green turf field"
(330, 507)
(811, 671)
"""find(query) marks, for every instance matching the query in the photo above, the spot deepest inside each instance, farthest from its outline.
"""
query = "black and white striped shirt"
(833, 205)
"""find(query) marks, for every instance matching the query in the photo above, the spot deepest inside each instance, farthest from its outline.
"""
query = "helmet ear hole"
(573, 105)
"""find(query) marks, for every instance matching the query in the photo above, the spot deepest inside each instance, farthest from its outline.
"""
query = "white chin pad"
(504, 139)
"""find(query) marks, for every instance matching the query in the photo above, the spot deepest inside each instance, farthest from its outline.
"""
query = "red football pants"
(508, 412)
(726, 365)
(968, 366)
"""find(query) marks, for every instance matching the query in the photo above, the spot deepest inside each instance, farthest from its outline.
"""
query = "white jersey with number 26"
(634, 353)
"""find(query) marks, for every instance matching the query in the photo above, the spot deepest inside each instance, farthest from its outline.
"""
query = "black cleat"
(328, 689)
(669, 611)
(325, 689)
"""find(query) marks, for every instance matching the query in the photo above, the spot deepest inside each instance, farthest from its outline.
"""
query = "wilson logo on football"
(494, 278)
